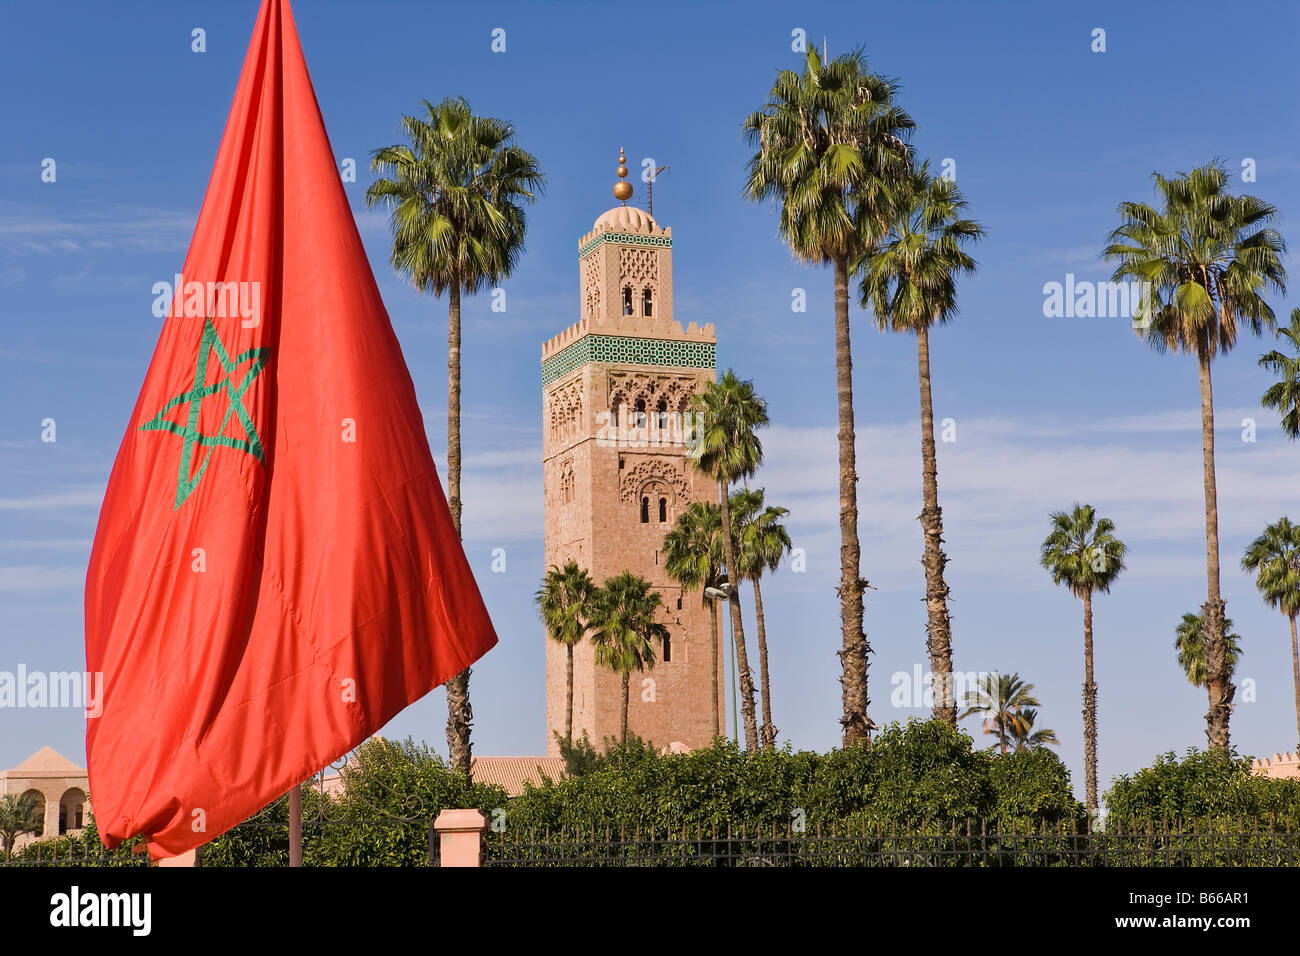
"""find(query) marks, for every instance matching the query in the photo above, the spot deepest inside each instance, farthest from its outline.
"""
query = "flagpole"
(295, 826)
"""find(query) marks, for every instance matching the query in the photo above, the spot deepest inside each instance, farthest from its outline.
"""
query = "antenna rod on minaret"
(650, 188)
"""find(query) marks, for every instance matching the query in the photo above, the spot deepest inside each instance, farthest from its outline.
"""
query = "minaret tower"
(618, 472)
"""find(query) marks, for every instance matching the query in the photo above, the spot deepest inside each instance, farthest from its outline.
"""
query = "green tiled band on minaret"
(627, 238)
(631, 350)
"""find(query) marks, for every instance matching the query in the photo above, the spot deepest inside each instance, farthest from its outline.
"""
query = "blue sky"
(1047, 136)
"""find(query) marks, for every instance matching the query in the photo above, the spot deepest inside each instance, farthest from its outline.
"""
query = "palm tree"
(729, 415)
(624, 630)
(1190, 644)
(1284, 395)
(1024, 735)
(564, 601)
(456, 192)
(761, 542)
(693, 558)
(1274, 559)
(910, 283)
(1000, 698)
(1082, 552)
(19, 814)
(829, 147)
(1205, 258)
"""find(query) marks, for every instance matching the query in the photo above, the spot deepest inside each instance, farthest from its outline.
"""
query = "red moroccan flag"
(275, 573)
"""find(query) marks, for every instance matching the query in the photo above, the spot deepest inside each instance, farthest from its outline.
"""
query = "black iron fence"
(387, 841)
(414, 841)
(74, 853)
(967, 845)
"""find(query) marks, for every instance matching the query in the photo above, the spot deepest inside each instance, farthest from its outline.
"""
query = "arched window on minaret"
(688, 421)
(639, 419)
(668, 648)
(662, 413)
(567, 485)
(627, 300)
(663, 510)
(647, 304)
(618, 410)
(645, 510)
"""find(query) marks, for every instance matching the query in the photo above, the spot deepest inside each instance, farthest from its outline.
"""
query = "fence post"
(461, 836)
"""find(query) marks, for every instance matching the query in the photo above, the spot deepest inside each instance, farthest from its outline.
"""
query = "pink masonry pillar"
(188, 858)
(461, 836)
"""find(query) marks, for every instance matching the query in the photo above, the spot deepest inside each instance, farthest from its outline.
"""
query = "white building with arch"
(57, 783)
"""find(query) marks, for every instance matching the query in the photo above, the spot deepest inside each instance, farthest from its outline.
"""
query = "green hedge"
(388, 783)
(1204, 788)
(913, 773)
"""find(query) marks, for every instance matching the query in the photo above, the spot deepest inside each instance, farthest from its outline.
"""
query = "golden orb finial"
(622, 188)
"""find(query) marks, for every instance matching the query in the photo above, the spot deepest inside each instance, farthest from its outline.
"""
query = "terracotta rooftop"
(513, 772)
(47, 762)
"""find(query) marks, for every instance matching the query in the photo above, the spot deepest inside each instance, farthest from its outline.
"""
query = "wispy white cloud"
(998, 483)
(12, 275)
(45, 544)
(372, 222)
(77, 496)
(36, 577)
(29, 231)
(502, 506)
(502, 493)
(1071, 257)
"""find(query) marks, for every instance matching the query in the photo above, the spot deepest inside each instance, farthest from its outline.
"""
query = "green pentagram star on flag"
(252, 443)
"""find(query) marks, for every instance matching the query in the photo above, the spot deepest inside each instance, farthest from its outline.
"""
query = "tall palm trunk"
(738, 627)
(622, 719)
(853, 653)
(459, 716)
(938, 626)
(713, 619)
(453, 404)
(1219, 688)
(568, 694)
(769, 730)
(459, 713)
(1295, 676)
(1089, 710)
